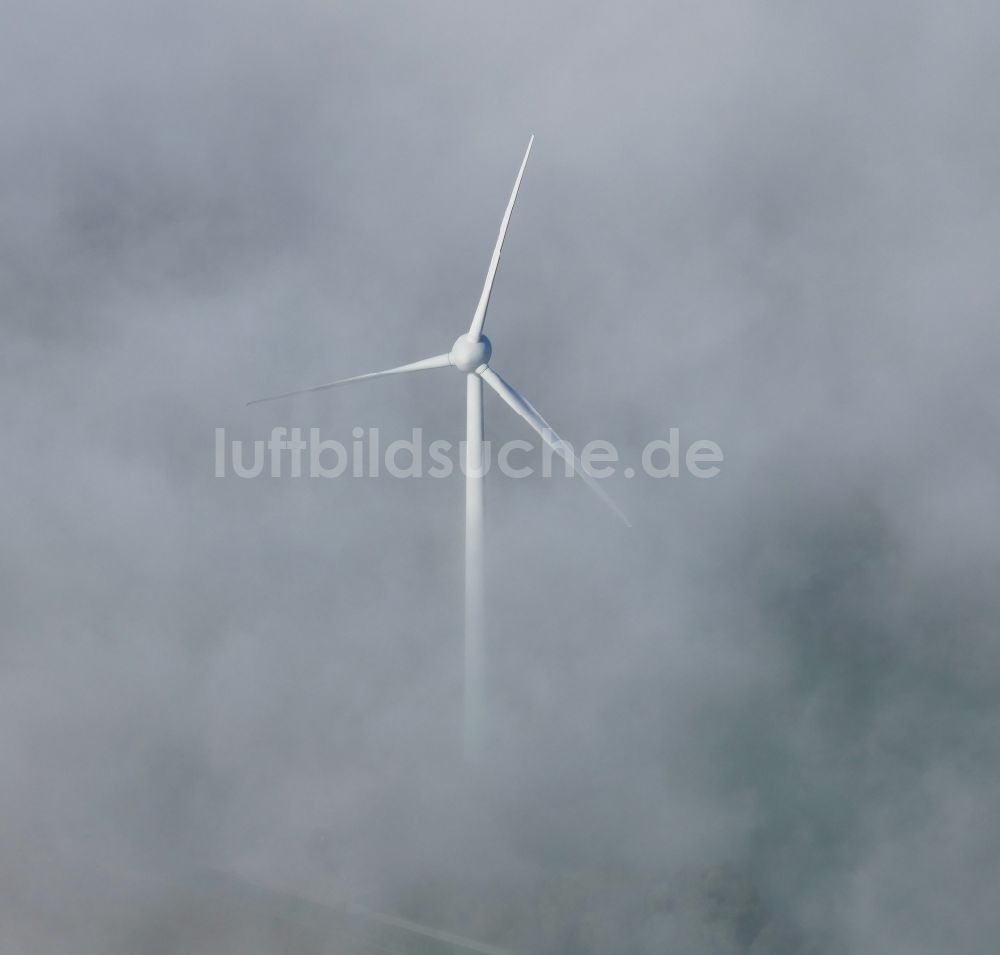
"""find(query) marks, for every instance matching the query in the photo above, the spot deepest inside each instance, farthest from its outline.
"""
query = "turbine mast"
(475, 635)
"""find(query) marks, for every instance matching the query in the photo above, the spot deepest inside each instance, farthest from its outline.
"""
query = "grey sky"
(773, 225)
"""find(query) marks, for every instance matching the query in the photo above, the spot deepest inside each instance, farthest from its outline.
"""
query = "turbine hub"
(467, 354)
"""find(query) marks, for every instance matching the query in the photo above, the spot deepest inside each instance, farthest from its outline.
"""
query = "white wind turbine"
(470, 354)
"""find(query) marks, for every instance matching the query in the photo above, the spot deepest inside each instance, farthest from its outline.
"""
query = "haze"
(763, 719)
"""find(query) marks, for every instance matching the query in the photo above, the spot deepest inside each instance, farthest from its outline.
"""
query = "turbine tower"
(470, 354)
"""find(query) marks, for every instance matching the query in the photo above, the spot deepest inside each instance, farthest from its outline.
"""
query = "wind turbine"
(470, 354)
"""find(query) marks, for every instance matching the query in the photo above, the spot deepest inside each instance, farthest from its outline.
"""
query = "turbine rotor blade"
(526, 410)
(438, 361)
(479, 319)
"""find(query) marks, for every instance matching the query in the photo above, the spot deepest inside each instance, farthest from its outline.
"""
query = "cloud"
(771, 226)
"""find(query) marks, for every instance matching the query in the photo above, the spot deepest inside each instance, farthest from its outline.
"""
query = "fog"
(765, 718)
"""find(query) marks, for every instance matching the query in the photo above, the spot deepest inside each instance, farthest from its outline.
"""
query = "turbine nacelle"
(469, 354)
